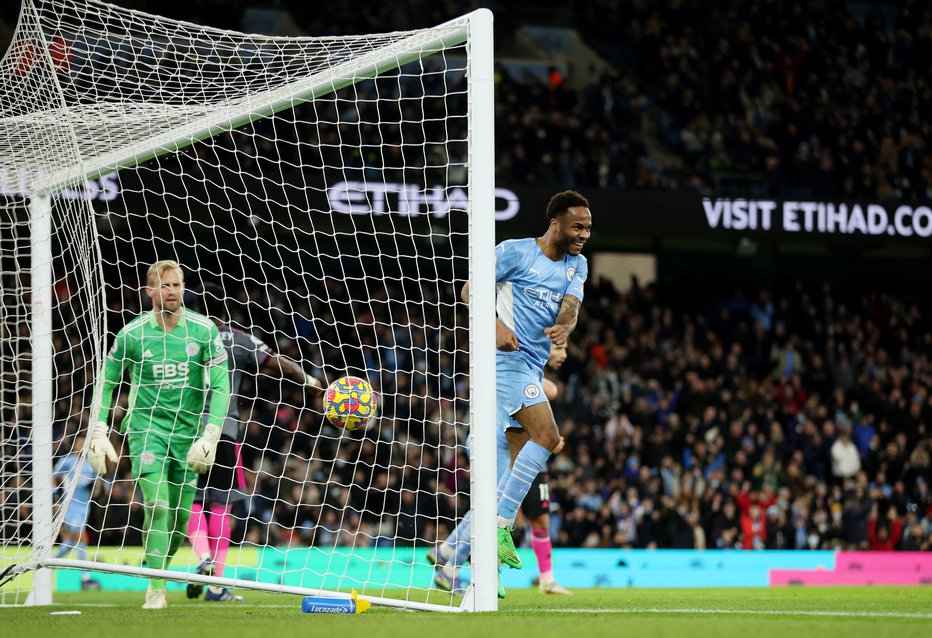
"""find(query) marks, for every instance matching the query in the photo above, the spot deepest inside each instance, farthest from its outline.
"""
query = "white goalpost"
(339, 191)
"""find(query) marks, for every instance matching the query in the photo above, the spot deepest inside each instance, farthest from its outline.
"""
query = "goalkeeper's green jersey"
(170, 374)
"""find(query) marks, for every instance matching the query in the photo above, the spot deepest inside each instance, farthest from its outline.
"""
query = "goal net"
(331, 196)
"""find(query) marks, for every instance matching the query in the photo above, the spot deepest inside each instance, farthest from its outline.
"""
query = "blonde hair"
(154, 274)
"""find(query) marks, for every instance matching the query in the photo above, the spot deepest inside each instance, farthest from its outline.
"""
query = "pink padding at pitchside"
(863, 568)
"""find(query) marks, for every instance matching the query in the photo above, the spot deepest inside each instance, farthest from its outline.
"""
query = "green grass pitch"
(694, 613)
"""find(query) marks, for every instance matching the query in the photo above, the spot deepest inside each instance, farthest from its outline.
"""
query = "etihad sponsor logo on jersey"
(542, 294)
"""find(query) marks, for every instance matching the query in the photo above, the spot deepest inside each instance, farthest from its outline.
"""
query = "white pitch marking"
(296, 606)
(747, 612)
(752, 612)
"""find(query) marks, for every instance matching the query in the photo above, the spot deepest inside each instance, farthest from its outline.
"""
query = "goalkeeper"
(174, 357)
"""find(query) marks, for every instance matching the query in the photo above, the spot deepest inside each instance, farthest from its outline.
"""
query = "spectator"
(885, 537)
(846, 460)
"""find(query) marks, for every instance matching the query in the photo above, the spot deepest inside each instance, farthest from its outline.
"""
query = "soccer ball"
(349, 403)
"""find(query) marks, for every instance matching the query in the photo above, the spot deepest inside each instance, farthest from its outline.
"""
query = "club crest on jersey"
(570, 273)
(147, 458)
(192, 349)
(531, 391)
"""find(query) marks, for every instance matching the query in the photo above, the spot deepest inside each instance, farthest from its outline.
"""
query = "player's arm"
(289, 369)
(99, 447)
(203, 451)
(61, 469)
(505, 338)
(560, 331)
(219, 393)
(555, 360)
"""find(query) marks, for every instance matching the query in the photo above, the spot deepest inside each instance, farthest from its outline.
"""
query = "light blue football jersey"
(69, 468)
(529, 289)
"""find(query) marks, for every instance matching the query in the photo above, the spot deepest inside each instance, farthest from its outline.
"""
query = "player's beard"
(569, 246)
(171, 307)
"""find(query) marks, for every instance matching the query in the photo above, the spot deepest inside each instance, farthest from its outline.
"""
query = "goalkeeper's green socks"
(156, 525)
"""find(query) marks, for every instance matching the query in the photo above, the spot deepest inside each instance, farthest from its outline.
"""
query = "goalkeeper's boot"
(155, 599)
(506, 548)
(224, 595)
(551, 587)
(206, 568)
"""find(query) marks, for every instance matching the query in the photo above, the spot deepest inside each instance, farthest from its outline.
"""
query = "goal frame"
(478, 35)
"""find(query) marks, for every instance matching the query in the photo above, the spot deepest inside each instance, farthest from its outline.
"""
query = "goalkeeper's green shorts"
(164, 456)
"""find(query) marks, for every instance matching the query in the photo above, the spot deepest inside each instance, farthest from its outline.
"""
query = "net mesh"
(319, 185)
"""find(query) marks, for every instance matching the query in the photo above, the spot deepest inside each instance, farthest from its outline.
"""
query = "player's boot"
(551, 587)
(206, 568)
(155, 599)
(224, 595)
(506, 548)
(89, 584)
(437, 557)
(445, 582)
(501, 588)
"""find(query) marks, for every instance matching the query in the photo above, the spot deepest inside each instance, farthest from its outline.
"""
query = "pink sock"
(197, 531)
(540, 543)
(219, 535)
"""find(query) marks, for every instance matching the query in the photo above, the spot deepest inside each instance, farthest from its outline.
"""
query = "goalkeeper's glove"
(204, 451)
(312, 382)
(99, 448)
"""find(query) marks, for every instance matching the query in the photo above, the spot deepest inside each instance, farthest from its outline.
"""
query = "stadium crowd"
(769, 100)
(778, 99)
(793, 419)
(784, 418)
(308, 481)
